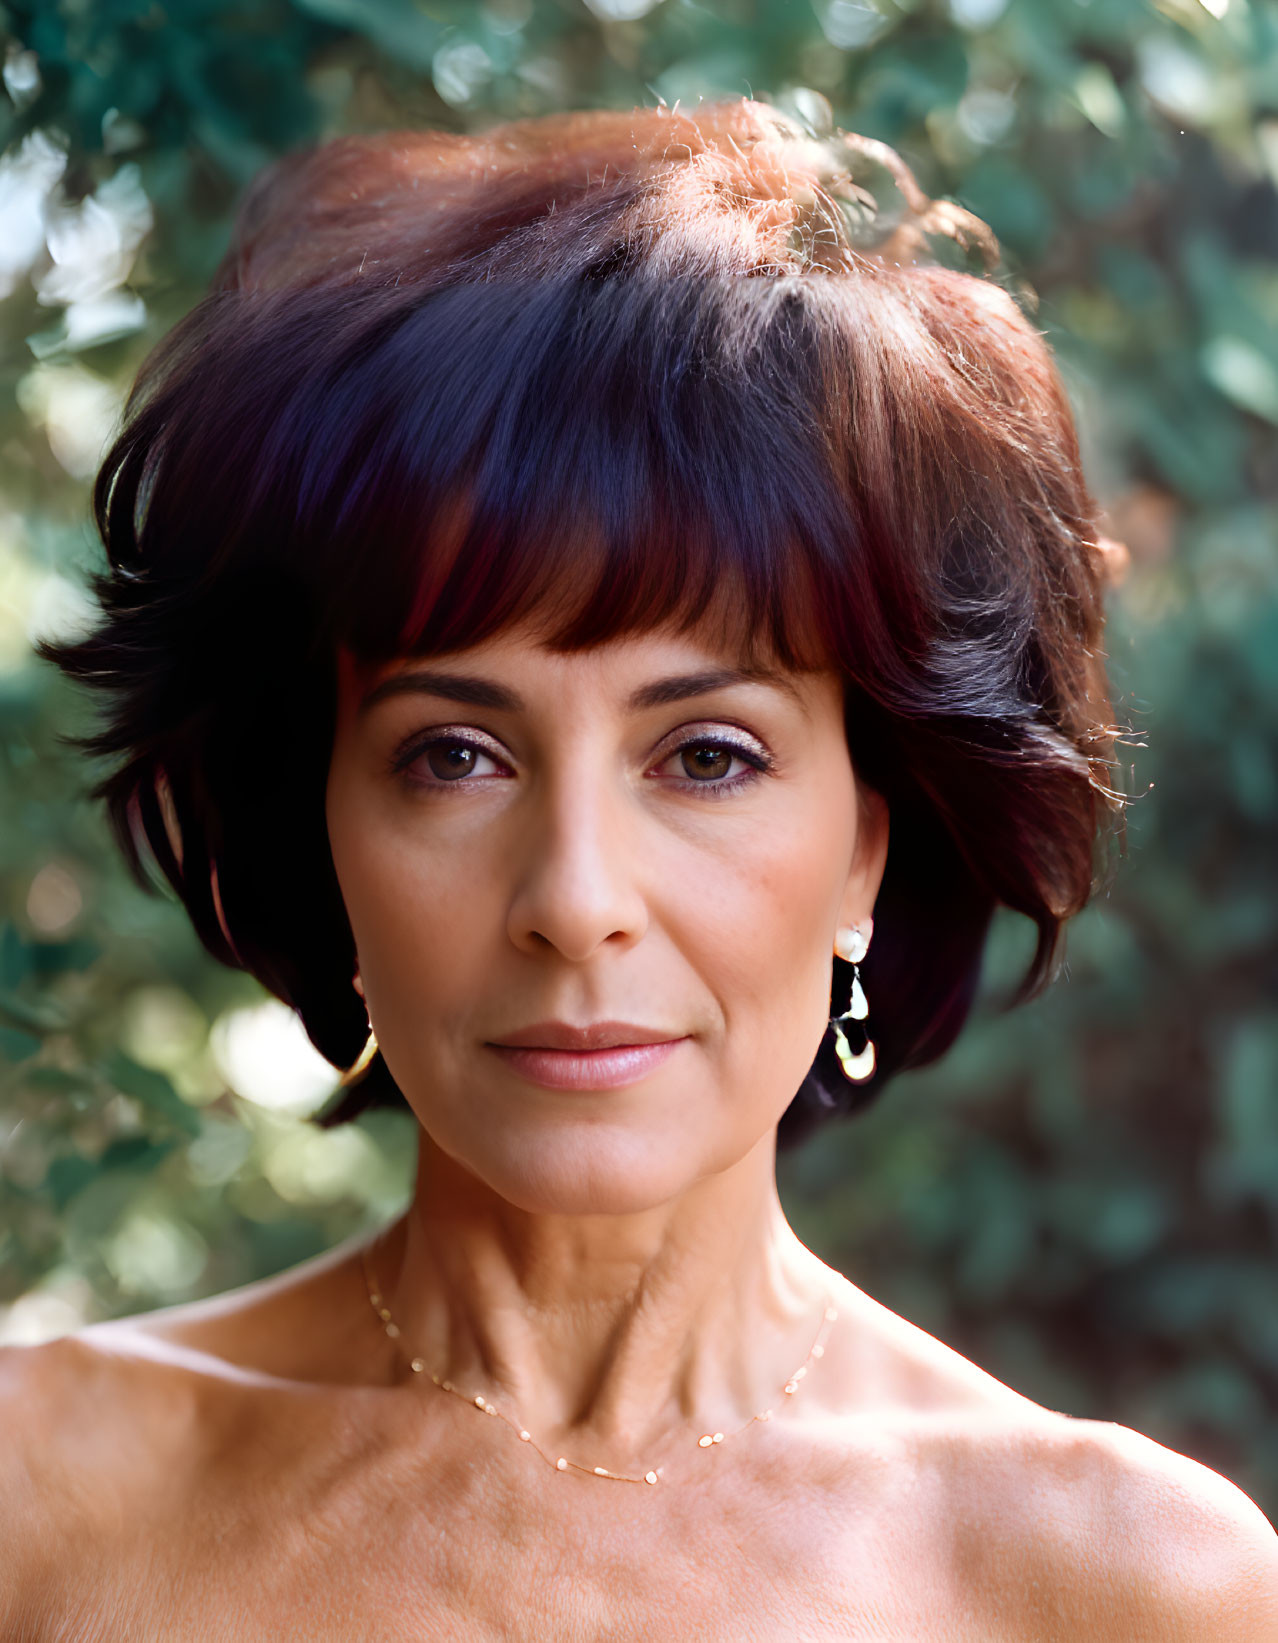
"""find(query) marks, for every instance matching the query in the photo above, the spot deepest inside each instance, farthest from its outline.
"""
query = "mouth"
(603, 1055)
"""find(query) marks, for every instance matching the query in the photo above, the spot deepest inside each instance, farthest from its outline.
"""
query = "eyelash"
(758, 762)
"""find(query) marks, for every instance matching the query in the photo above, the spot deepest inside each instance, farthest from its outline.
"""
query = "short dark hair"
(601, 368)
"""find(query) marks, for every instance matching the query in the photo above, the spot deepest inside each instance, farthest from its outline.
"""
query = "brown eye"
(707, 763)
(448, 761)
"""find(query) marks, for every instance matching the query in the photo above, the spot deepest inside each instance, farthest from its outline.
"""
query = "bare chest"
(351, 1541)
(472, 1589)
(351, 1517)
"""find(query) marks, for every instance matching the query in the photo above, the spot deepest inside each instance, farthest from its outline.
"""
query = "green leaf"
(152, 1089)
(1243, 374)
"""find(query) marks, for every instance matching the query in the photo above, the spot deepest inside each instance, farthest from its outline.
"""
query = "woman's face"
(639, 841)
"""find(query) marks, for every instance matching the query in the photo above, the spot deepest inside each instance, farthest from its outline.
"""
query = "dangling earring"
(356, 1071)
(852, 946)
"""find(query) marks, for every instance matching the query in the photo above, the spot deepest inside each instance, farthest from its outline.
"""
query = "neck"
(614, 1333)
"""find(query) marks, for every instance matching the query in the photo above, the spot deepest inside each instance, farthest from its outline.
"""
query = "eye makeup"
(715, 739)
(461, 737)
(468, 747)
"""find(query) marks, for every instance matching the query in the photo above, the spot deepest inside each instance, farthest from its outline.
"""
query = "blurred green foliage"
(1084, 1195)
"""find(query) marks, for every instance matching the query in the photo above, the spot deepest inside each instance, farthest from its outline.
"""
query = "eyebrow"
(473, 692)
(680, 686)
(454, 687)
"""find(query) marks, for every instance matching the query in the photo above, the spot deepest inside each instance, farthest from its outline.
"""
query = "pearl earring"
(851, 945)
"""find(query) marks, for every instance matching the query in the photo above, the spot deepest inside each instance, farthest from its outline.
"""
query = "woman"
(588, 604)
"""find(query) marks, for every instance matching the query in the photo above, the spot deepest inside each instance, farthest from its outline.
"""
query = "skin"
(612, 1266)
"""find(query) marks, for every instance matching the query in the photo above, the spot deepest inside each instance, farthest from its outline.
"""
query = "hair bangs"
(528, 452)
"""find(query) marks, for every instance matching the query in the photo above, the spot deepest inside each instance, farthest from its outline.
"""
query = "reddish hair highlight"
(606, 372)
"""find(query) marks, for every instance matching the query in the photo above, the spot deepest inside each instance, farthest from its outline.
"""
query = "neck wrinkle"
(620, 1333)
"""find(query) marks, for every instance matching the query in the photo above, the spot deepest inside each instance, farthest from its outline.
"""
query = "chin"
(594, 1169)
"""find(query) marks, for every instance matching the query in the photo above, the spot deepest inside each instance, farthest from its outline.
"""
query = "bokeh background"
(1083, 1196)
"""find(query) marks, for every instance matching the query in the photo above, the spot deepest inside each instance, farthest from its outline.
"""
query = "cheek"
(757, 923)
(424, 930)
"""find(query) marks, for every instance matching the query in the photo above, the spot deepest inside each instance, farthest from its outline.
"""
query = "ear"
(869, 858)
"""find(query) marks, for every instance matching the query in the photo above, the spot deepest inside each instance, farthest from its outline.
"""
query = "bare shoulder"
(71, 1410)
(1195, 1552)
(28, 1429)
(1049, 1525)
(111, 1442)
(95, 1411)
(70, 1413)
(1067, 1527)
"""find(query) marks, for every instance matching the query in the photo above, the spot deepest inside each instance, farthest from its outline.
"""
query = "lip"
(606, 1055)
(596, 1035)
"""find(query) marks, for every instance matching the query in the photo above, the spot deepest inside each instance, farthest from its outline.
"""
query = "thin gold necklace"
(561, 1463)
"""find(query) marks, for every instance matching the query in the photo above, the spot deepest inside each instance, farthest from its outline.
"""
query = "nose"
(577, 888)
